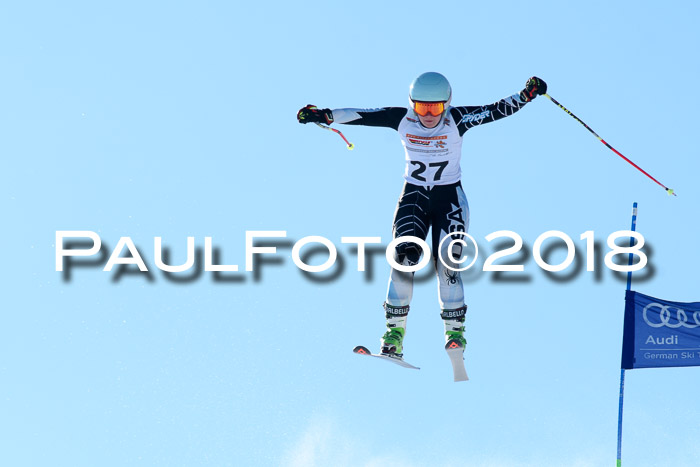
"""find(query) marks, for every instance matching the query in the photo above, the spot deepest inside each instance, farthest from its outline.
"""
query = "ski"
(456, 353)
(362, 350)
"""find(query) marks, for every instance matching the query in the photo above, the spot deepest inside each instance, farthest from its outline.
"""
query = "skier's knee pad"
(409, 252)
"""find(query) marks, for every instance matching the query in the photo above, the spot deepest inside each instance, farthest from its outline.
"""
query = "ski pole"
(350, 145)
(668, 190)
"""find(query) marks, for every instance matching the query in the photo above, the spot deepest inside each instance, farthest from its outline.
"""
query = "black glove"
(312, 114)
(533, 88)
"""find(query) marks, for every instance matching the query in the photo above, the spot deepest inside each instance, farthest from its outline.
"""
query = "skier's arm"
(389, 117)
(471, 116)
(468, 117)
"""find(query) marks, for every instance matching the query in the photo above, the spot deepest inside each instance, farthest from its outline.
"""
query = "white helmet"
(430, 87)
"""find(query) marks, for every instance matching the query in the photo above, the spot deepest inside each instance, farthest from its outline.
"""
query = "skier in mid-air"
(431, 132)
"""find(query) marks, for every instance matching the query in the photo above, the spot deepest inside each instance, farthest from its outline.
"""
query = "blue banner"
(659, 333)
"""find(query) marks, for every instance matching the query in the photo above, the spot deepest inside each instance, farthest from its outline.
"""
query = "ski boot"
(392, 340)
(454, 328)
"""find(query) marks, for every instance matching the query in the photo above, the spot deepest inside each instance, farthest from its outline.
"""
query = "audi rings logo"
(666, 314)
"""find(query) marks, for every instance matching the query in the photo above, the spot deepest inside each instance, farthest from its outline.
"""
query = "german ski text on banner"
(659, 333)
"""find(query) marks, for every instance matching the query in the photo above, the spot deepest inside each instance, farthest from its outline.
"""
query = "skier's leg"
(410, 219)
(450, 216)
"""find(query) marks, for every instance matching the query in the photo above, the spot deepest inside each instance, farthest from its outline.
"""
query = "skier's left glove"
(312, 114)
(533, 88)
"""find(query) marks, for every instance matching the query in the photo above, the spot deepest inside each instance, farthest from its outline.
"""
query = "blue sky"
(178, 119)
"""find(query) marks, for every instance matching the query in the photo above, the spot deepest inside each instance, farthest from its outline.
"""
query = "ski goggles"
(433, 108)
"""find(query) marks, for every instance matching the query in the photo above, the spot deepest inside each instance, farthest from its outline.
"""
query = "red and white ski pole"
(668, 190)
(350, 145)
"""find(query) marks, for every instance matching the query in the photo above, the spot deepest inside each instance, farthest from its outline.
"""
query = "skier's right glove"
(312, 114)
(533, 88)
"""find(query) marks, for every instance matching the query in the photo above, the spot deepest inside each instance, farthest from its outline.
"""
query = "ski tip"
(362, 350)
